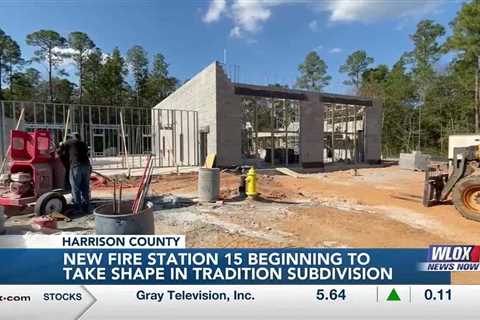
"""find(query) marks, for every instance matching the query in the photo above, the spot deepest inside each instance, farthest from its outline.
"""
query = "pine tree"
(81, 44)
(137, 59)
(49, 45)
(356, 64)
(313, 73)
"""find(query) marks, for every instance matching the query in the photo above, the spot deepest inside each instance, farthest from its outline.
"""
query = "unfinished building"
(267, 126)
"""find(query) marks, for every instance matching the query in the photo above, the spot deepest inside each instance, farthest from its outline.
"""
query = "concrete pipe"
(125, 222)
(208, 184)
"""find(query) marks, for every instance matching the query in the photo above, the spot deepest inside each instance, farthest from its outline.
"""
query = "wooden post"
(67, 123)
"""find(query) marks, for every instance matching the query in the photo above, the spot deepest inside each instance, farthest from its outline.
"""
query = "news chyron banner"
(156, 277)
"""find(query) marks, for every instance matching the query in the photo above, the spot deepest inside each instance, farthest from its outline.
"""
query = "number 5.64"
(331, 294)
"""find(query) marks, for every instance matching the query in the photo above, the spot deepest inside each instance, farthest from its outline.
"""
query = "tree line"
(423, 102)
(101, 76)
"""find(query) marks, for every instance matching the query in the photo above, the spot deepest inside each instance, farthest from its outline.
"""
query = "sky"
(266, 40)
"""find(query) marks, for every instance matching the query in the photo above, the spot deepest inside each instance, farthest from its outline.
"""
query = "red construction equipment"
(36, 176)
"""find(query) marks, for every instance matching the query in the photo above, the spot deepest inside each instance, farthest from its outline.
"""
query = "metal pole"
(420, 122)
(477, 97)
(355, 133)
(20, 118)
(272, 124)
(345, 145)
(285, 124)
(333, 107)
(124, 143)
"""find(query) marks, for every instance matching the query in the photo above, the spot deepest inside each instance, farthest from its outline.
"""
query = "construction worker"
(63, 155)
(75, 152)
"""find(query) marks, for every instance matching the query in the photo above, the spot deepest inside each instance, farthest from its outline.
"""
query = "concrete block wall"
(212, 95)
(229, 122)
(198, 94)
(373, 132)
(311, 131)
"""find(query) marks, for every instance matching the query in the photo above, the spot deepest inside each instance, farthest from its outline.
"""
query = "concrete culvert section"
(124, 222)
(208, 184)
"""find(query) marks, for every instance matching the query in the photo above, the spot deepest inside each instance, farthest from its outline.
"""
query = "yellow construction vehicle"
(463, 183)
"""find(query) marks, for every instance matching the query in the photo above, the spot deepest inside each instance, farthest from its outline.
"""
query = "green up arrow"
(393, 296)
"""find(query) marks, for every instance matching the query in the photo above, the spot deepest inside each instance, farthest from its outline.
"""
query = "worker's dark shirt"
(63, 155)
(77, 152)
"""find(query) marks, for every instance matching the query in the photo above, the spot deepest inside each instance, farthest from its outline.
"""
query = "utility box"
(461, 140)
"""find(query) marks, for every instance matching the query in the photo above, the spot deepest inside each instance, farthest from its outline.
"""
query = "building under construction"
(264, 125)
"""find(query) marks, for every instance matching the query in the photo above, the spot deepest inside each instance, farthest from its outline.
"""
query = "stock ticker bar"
(96, 280)
(242, 301)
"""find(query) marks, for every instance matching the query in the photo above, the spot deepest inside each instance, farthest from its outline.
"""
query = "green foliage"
(443, 94)
(10, 55)
(47, 41)
(313, 73)
(63, 90)
(24, 85)
(356, 64)
(92, 69)
(137, 59)
(81, 44)
(102, 77)
(112, 80)
(426, 52)
(418, 97)
(49, 44)
(465, 39)
(159, 83)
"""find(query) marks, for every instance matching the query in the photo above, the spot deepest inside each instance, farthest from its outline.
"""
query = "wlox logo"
(452, 258)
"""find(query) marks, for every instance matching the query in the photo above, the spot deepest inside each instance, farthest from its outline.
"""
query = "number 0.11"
(441, 294)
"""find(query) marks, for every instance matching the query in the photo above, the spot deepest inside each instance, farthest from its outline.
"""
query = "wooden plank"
(67, 124)
(289, 172)
(210, 160)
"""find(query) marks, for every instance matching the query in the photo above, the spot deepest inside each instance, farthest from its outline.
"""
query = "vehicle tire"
(466, 197)
(50, 202)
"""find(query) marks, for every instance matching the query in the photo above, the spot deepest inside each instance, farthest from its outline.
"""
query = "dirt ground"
(377, 207)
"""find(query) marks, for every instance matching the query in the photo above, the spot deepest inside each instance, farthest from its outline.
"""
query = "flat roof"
(295, 94)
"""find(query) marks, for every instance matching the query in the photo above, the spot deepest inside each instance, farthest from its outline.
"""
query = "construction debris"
(44, 222)
(57, 216)
(290, 172)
